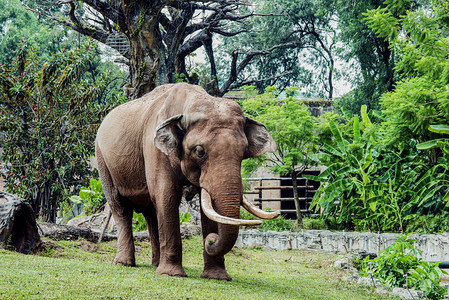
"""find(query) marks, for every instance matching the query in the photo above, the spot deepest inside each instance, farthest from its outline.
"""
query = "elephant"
(149, 149)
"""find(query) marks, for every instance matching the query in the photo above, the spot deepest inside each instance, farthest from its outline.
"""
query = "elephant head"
(208, 144)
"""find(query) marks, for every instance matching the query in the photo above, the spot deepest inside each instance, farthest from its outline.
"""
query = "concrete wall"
(435, 247)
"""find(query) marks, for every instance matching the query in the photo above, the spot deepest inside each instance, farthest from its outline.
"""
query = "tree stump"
(18, 228)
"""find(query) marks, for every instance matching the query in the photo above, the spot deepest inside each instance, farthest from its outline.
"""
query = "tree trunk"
(296, 197)
(148, 67)
(330, 78)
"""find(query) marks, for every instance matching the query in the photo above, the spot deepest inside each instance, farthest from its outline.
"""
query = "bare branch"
(237, 69)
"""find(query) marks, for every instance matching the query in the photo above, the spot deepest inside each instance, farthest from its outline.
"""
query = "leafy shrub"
(402, 258)
(92, 197)
(184, 218)
(139, 223)
(49, 113)
(276, 224)
(315, 223)
(427, 277)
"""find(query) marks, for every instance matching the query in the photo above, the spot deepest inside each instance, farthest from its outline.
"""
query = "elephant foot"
(127, 262)
(155, 259)
(170, 270)
(217, 274)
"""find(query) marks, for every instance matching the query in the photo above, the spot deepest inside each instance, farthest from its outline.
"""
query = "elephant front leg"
(169, 235)
(125, 241)
(214, 266)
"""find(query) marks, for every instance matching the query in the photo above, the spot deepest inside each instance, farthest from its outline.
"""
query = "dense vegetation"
(49, 114)
(385, 146)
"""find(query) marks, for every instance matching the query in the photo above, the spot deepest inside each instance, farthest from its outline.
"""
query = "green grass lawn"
(81, 270)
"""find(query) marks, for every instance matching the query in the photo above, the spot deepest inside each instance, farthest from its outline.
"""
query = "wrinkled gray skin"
(150, 148)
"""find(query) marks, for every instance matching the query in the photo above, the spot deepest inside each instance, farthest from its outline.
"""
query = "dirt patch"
(46, 247)
(236, 251)
(87, 246)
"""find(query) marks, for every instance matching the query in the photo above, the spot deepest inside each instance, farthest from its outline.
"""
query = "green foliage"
(315, 223)
(49, 113)
(181, 78)
(371, 61)
(348, 178)
(394, 262)
(139, 223)
(442, 143)
(430, 223)
(419, 37)
(92, 197)
(292, 127)
(427, 277)
(277, 224)
(18, 24)
(401, 259)
(184, 218)
(372, 185)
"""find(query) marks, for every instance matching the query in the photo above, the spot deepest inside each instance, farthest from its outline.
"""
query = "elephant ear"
(259, 139)
(167, 137)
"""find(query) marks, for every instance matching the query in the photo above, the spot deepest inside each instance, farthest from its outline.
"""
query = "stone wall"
(435, 247)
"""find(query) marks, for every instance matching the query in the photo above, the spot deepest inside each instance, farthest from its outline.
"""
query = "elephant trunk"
(220, 201)
(221, 242)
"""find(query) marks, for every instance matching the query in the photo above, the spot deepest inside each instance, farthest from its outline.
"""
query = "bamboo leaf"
(437, 143)
(337, 136)
(439, 128)
(346, 113)
(365, 119)
(356, 129)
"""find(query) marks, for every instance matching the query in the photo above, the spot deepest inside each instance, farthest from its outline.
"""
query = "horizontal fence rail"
(308, 189)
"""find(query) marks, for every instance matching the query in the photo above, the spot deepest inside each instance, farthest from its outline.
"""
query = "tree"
(309, 27)
(49, 114)
(290, 123)
(161, 34)
(371, 58)
(420, 99)
(18, 24)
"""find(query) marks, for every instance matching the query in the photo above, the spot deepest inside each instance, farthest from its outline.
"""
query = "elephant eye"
(200, 152)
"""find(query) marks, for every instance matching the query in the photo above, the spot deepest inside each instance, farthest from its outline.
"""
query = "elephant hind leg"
(122, 214)
(151, 218)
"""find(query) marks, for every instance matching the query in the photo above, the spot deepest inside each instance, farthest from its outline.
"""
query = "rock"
(369, 281)
(341, 263)
(190, 202)
(141, 236)
(187, 230)
(18, 228)
(95, 221)
(408, 293)
(364, 254)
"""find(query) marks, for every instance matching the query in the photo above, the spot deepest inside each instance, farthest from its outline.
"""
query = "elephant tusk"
(206, 205)
(258, 212)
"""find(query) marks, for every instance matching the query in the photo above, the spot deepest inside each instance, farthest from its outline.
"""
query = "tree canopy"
(161, 34)
(292, 126)
(49, 115)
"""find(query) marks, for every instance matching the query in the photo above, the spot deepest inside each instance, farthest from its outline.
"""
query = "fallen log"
(18, 228)
(66, 232)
